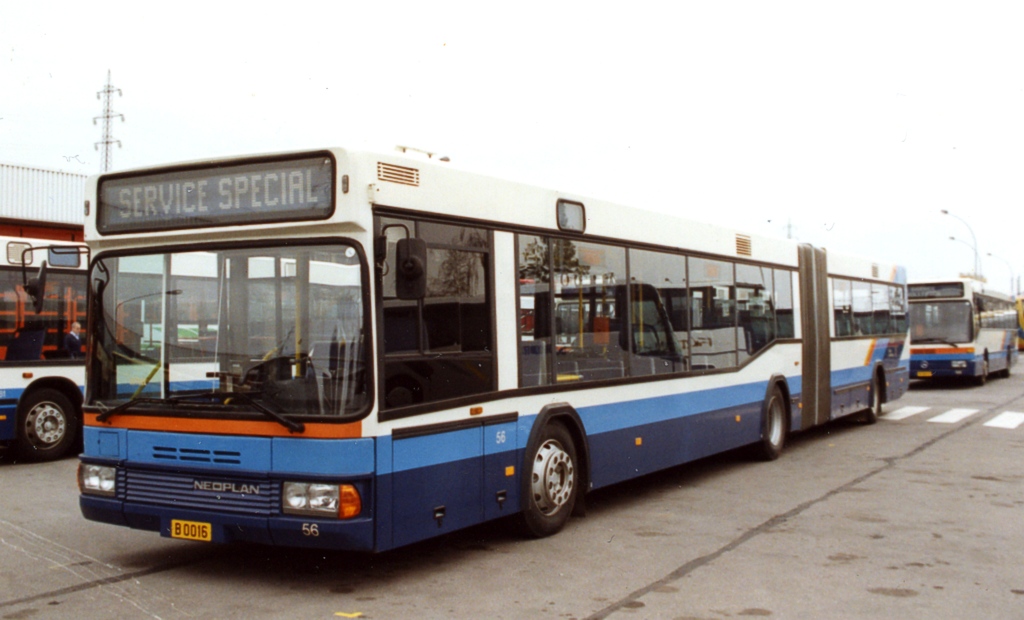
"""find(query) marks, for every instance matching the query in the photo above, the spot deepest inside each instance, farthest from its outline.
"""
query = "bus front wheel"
(553, 482)
(982, 379)
(47, 426)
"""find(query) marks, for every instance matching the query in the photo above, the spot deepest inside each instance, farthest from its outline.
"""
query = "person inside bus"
(73, 342)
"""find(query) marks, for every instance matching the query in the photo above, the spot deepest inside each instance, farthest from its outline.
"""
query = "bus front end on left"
(228, 378)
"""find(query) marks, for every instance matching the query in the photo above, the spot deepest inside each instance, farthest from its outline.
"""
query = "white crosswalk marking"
(953, 415)
(903, 412)
(1007, 419)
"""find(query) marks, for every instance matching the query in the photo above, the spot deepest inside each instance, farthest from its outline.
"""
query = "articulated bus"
(42, 374)
(959, 330)
(361, 351)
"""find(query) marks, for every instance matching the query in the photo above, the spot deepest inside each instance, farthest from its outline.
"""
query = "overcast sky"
(846, 125)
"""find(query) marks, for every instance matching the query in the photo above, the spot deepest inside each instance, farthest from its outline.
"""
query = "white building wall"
(38, 195)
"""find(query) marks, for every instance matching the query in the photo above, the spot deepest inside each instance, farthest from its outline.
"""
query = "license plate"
(924, 373)
(191, 530)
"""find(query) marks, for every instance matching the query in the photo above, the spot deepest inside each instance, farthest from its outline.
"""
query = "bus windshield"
(941, 321)
(279, 330)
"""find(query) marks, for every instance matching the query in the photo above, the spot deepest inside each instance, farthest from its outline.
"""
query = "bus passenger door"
(815, 316)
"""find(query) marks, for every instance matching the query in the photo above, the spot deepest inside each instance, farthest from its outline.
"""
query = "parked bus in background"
(360, 351)
(42, 365)
(957, 329)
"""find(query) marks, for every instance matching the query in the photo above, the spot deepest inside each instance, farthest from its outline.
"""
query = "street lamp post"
(974, 246)
(1011, 290)
(974, 275)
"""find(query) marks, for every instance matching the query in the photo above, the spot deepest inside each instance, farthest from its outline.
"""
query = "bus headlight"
(97, 479)
(315, 498)
(958, 364)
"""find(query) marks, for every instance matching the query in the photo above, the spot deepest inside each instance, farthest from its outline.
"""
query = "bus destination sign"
(252, 193)
(935, 290)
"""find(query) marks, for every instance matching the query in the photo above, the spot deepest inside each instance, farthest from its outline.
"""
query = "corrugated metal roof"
(39, 195)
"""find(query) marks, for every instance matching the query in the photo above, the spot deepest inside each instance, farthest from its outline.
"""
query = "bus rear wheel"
(773, 434)
(47, 426)
(873, 412)
(553, 483)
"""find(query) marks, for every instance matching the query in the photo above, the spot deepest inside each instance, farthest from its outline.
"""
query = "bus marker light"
(737, 418)
(351, 504)
(476, 410)
(639, 440)
(510, 471)
(26, 375)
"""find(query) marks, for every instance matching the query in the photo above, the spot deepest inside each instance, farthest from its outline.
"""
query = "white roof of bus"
(443, 189)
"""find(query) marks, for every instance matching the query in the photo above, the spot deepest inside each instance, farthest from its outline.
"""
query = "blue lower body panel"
(355, 534)
(935, 367)
(232, 484)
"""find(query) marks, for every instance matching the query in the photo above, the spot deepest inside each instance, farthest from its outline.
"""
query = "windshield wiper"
(109, 413)
(291, 425)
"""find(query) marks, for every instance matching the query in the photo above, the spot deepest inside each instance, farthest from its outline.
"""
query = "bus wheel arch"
(49, 419)
(556, 472)
(776, 420)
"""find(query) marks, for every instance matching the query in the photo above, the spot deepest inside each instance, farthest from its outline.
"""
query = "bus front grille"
(200, 492)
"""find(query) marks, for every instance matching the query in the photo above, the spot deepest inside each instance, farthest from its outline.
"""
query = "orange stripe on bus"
(871, 352)
(259, 428)
(946, 351)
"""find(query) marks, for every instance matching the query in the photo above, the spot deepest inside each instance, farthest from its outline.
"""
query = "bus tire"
(872, 413)
(774, 430)
(553, 484)
(47, 425)
(982, 379)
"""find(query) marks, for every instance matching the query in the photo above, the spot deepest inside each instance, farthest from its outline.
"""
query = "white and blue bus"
(41, 375)
(960, 330)
(360, 351)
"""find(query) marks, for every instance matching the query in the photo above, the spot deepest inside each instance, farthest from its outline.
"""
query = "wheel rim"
(45, 424)
(775, 421)
(876, 398)
(554, 477)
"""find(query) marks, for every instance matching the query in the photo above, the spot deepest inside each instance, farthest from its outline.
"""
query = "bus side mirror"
(36, 287)
(411, 269)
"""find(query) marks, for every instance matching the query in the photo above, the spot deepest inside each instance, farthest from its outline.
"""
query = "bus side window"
(713, 338)
(842, 307)
(438, 347)
(658, 312)
(785, 323)
(756, 308)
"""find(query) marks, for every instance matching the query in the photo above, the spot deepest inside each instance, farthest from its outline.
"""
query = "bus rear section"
(959, 330)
